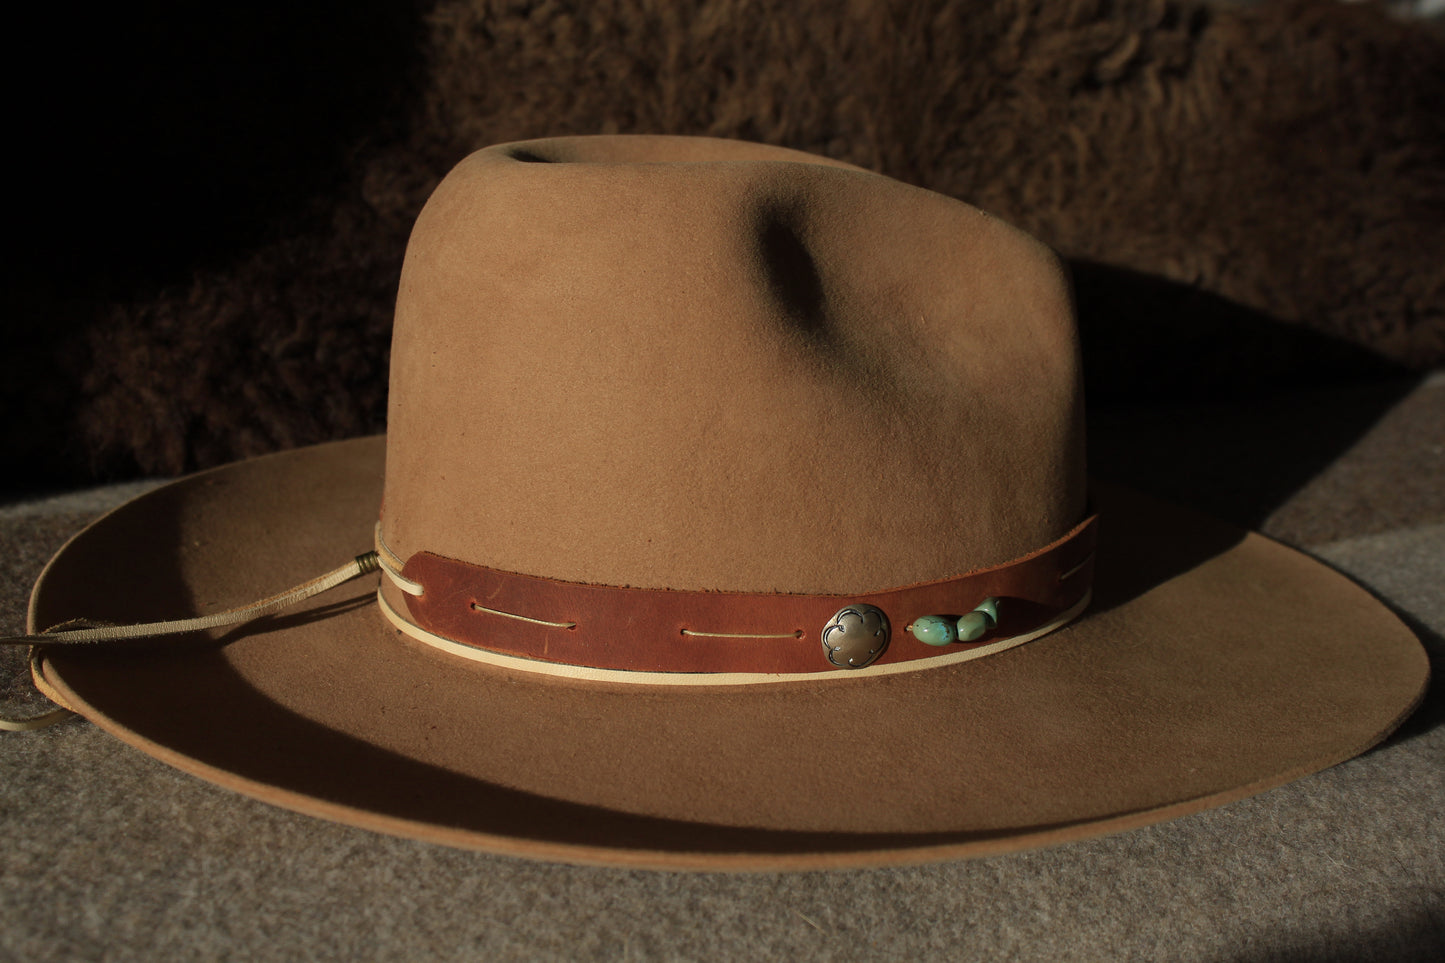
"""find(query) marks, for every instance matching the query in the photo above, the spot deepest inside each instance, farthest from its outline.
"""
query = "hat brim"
(1213, 664)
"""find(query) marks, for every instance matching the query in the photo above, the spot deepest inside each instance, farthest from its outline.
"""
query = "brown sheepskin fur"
(1280, 163)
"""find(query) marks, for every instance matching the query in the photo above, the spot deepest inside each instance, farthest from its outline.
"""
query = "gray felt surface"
(112, 855)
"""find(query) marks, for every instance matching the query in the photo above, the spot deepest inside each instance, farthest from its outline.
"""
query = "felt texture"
(711, 366)
(219, 280)
(113, 854)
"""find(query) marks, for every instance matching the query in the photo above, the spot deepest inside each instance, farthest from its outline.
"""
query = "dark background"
(212, 203)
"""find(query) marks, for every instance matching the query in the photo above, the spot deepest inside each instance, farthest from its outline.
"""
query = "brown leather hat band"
(666, 631)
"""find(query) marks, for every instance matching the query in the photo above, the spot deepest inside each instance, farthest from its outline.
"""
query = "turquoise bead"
(972, 625)
(989, 607)
(979, 621)
(934, 630)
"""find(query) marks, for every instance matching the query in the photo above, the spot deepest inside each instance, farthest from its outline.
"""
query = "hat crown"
(696, 364)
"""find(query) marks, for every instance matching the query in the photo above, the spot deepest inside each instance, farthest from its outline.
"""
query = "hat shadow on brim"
(307, 765)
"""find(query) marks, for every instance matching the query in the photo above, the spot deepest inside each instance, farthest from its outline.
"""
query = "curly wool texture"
(1289, 157)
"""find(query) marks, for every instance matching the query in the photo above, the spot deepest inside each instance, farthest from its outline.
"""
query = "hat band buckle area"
(672, 637)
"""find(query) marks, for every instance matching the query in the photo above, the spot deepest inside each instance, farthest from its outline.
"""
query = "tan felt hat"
(733, 514)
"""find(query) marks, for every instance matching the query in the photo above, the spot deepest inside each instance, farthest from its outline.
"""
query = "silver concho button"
(855, 636)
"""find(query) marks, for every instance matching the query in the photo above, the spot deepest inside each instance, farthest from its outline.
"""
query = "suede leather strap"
(662, 630)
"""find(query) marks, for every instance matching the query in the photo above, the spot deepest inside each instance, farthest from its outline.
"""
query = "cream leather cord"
(60, 713)
(89, 633)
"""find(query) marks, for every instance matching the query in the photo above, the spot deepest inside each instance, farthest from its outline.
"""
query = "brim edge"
(695, 861)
